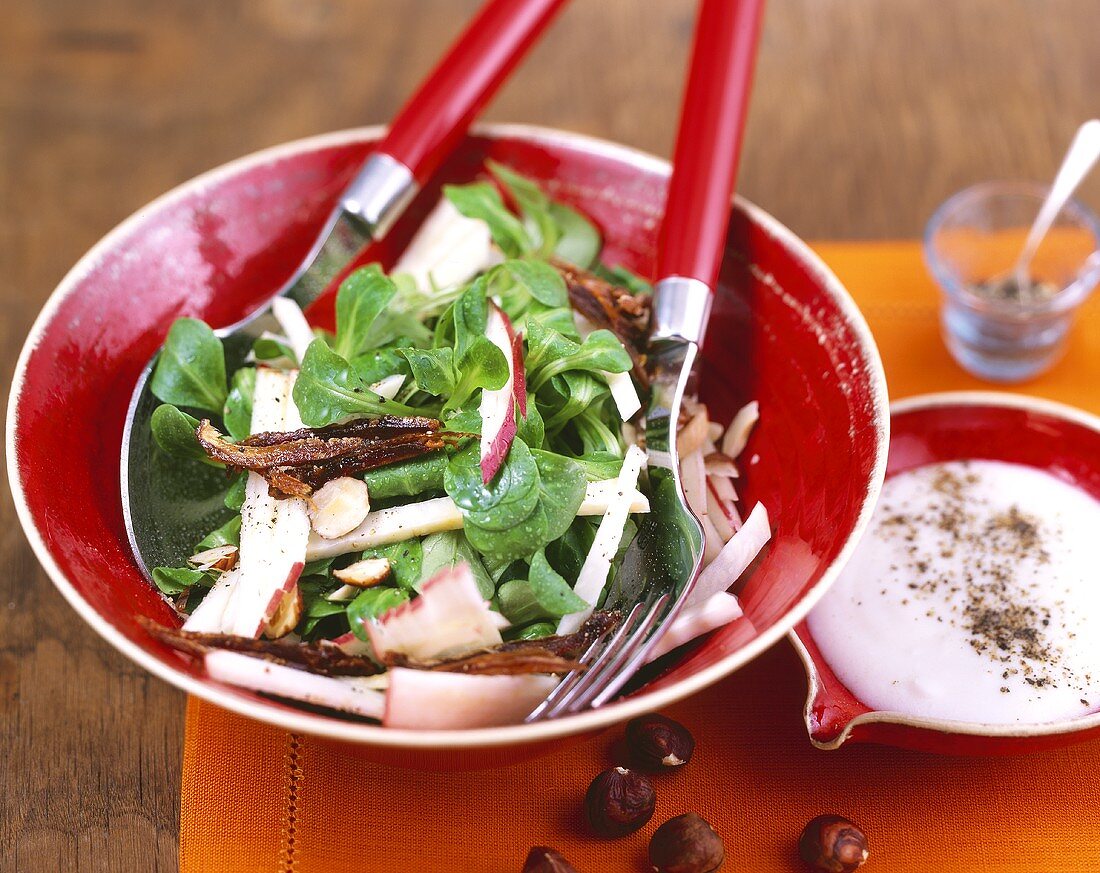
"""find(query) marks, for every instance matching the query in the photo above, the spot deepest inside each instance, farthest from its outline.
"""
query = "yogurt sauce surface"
(974, 596)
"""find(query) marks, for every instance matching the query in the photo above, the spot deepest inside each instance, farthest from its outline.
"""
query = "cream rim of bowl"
(1088, 719)
(375, 735)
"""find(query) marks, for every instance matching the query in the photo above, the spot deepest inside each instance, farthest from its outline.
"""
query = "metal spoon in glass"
(1078, 162)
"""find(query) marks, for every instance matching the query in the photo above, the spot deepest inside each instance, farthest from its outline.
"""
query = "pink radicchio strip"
(449, 619)
(350, 644)
(722, 492)
(498, 408)
(519, 373)
(427, 700)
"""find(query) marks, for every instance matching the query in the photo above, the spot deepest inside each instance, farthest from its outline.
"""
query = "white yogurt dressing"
(974, 596)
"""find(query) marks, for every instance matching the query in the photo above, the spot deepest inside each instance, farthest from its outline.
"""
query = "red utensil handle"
(429, 126)
(708, 141)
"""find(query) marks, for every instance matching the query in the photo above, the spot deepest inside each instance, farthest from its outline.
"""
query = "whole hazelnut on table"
(686, 844)
(659, 743)
(543, 859)
(832, 844)
(618, 802)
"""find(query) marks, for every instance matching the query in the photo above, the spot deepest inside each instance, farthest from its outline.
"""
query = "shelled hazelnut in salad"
(413, 498)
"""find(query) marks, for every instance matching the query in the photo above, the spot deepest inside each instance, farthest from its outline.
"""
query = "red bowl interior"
(783, 333)
(953, 427)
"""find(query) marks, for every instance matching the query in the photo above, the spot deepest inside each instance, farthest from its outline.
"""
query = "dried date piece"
(609, 306)
(297, 463)
(492, 663)
(575, 644)
(549, 655)
(556, 654)
(321, 658)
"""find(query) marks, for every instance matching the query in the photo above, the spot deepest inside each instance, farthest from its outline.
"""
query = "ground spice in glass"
(1009, 290)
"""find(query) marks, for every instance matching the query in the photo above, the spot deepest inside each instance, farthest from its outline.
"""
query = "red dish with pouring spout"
(784, 332)
(957, 426)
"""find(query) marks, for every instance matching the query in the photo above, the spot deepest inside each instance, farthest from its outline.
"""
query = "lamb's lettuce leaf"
(550, 354)
(579, 242)
(543, 594)
(229, 534)
(190, 370)
(234, 497)
(238, 405)
(530, 502)
(405, 560)
(534, 205)
(328, 389)
(408, 478)
(174, 433)
(176, 580)
(481, 200)
(362, 298)
(448, 548)
(371, 603)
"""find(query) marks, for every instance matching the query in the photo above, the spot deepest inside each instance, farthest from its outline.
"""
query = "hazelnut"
(220, 558)
(832, 844)
(339, 506)
(686, 844)
(365, 573)
(618, 802)
(659, 743)
(286, 616)
(543, 859)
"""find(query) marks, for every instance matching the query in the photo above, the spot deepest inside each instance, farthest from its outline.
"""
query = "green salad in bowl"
(430, 503)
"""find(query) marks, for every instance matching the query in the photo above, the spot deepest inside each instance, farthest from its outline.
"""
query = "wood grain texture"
(867, 114)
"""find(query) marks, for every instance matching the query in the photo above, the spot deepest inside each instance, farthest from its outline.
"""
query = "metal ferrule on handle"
(681, 309)
(380, 193)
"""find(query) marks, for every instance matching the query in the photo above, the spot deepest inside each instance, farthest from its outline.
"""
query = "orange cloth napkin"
(257, 799)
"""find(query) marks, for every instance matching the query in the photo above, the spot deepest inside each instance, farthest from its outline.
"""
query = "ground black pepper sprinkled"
(999, 611)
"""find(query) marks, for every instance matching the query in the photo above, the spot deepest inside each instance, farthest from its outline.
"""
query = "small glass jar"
(974, 238)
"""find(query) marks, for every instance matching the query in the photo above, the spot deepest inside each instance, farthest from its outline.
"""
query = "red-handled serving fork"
(663, 561)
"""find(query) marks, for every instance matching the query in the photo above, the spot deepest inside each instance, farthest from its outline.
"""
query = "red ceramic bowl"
(952, 427)
(784, 332)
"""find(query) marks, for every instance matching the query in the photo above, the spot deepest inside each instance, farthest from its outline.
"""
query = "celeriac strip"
(734, 559)
(399, 523)
(209, 615)
(352, 694)
(273, 532)
(597, 564)
(623, 392)
(449, 249)
(737, 434)
(293, 322)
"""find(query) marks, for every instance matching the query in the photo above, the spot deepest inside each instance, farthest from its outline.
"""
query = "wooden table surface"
(867, 114)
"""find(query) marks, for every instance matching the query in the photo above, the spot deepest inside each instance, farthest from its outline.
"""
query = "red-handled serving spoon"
(161, 526)
(664, 559)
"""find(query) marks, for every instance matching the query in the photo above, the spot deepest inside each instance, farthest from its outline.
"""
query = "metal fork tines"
(607, 664)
